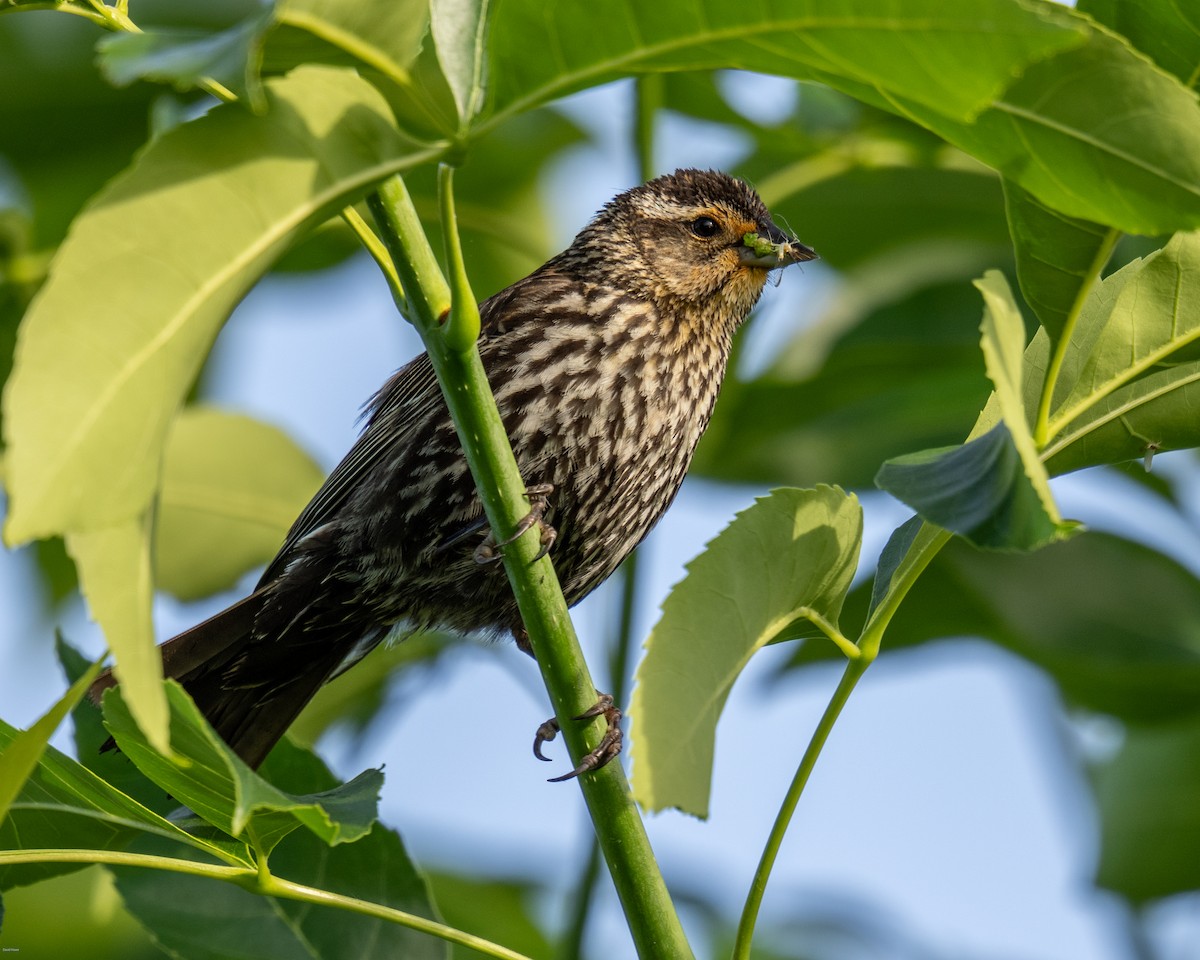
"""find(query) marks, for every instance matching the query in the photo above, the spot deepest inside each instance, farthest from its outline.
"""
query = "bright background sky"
(948, 807)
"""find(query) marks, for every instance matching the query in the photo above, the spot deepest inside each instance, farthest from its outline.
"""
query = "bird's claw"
(489, 551)
(606, 750)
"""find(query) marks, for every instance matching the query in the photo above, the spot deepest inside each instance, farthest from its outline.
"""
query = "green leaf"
(1167, 30)
(953, 59)
(1115, 623)
(978, 490)
(185, 58)
(90, 737)
(20, 757)
(1149, 818)
(150, 271)
(994, 489)
(788, 558)
(459, 29)
(1154, 413)
(213, 782)
(1003, 344)
(1094, 132)
(65, 806)
(205, 919)
(113, 564)
(231, 488)
(1140, 317)
(1058, 257)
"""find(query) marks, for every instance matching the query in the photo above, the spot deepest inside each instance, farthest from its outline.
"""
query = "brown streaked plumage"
(605, 363)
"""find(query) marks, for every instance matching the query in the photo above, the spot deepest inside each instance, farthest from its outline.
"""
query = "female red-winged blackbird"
(605, 363)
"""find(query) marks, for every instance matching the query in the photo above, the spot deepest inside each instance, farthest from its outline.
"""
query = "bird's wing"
(412, 386)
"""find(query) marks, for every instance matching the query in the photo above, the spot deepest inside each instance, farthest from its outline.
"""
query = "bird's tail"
(248, 689)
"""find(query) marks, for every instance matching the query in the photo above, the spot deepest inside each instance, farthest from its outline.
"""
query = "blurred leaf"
(20, 757)
(1135, 320)
(186, 58)
(459, 29)
(496, 909)
(86, 131)
(1058, 257)
(65, 806)
(99, 928)
(920, 212)
(1115, 623)
(1166, 30)
(213, 782)
(1149, 818)
(231, 487)
(901, 375)
(179, 911)
(100, 370)
(784, 560)
(113, 564)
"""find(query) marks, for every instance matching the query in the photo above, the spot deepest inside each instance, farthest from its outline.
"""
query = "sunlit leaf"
(1138, 318)
(113, 564)
(459, 29)
(231, 488)
(787, 558)
(115, 338)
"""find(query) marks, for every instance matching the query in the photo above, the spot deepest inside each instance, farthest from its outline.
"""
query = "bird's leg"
(489, 551)
(606, 750)
(610, 744)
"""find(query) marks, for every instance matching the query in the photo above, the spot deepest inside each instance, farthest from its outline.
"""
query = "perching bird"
(605, 363)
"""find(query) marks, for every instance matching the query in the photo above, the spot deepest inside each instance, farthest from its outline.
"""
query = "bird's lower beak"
(769, 247)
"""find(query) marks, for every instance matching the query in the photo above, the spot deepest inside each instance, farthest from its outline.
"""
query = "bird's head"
(697, 236)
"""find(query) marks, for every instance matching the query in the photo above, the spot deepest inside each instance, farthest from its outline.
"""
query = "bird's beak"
(769, 247)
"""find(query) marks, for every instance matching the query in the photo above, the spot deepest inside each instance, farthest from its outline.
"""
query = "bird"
(605, 363)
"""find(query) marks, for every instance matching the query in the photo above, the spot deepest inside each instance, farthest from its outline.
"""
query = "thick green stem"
(651, 916)
(262, 882)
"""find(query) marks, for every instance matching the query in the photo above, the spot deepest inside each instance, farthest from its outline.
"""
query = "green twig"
(651, 916)
(925, 546)
(262, 882)
(745, 932)
(1044, 430)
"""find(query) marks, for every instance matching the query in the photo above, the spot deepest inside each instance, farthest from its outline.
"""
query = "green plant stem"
(745, 932)
(925, 546)
(1043, 430)
(268, 885)
(650, 914)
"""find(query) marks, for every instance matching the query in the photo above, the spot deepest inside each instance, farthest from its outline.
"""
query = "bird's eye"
(705, 227)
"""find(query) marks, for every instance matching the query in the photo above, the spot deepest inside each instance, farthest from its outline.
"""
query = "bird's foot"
(608, 747)
(538, 495)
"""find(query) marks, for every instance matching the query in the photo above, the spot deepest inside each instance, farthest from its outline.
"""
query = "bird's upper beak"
(769, 247)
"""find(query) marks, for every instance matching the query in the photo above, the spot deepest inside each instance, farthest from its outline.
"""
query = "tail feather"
(239, 680)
